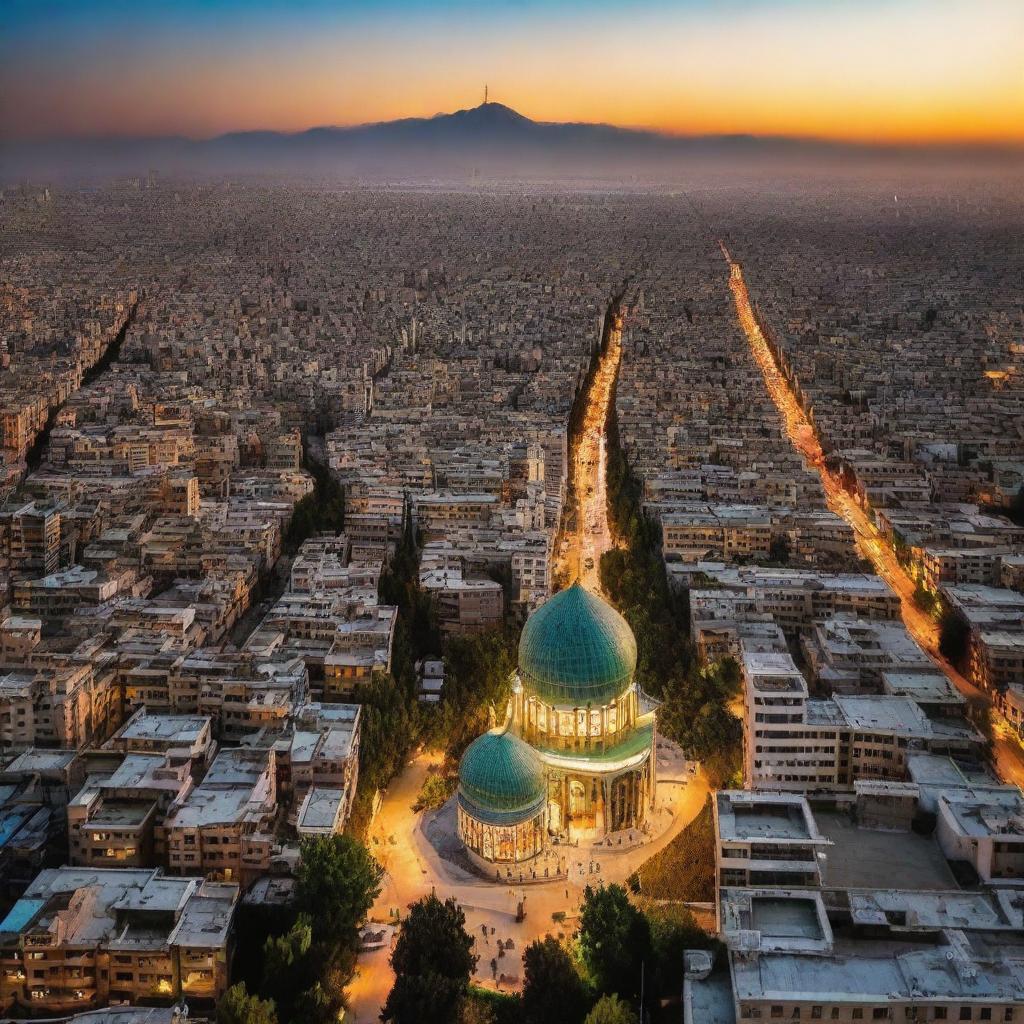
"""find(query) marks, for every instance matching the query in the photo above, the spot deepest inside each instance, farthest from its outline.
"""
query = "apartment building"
(819, 746)
(85, 937)
(765, 839)
(113, 820)
(224, 827)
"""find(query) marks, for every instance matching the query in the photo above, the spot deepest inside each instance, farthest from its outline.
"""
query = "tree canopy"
(433, 960)
(614, 940)
(236, 1006)
(337, 882)
(611, 1010)
(553, 991)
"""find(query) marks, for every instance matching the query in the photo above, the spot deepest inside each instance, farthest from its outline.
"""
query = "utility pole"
(643, 963)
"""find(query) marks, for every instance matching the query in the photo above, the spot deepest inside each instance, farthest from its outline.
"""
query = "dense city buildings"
(272, 452)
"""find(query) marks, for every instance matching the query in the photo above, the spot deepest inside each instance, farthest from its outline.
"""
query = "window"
(776, 1011)
(858, 1013)
(940, 1013)
(985, 1013)
(834, 1013)
(880, 1013)
(965, 1013)
(815, 1013)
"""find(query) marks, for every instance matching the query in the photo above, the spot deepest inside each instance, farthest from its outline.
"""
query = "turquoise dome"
(576, 650)
(501, 779)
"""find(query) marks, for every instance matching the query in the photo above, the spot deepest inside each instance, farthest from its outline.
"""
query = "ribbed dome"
(501, 778)
(576, 649)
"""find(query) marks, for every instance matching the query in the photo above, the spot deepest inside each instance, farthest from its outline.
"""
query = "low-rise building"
(86, 937)
(224, 827)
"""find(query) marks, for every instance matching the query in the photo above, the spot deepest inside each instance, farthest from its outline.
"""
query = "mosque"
(575, 757)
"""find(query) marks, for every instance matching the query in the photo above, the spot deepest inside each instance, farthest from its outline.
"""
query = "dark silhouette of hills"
(490, 139)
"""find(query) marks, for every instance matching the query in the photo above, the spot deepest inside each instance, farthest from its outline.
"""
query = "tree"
(289, 967)
(611, 1010)
(954, 638)
(336, 885)
(673, 931)
(282, 952)
(238, 1007)
(614, 940)
(432, 960)
(924, 598)
(553, 991)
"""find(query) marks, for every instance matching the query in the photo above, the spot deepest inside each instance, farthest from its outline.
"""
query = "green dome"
(576, 650)
(501, 779)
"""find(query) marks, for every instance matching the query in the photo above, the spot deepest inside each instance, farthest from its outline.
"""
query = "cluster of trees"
(695, 701)
(391, 718)
(306, 967)
(954, 638)
(925, 599)
(478, 681)
(619, 953)
(323, 511)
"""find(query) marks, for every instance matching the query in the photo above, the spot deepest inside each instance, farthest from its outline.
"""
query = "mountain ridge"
(491, 136)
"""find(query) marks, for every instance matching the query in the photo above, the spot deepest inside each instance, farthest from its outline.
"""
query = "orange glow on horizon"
(913, 71)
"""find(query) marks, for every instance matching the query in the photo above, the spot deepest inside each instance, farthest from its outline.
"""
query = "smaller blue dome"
(501, 779)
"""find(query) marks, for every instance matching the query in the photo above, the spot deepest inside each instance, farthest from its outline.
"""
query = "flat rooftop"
(744, 816)
(865, 859)
(785, 918)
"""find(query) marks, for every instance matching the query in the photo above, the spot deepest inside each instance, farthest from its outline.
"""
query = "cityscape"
(531, 563)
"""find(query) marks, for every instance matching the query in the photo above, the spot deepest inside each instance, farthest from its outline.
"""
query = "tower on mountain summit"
(485, 94)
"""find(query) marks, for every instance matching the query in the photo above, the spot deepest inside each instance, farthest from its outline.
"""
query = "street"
(1008, 753)
(579, 547)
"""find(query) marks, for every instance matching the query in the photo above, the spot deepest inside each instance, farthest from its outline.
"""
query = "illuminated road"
(586, 534)
(1009, 756)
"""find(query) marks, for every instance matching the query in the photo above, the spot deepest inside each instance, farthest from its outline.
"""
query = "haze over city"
(511, 513)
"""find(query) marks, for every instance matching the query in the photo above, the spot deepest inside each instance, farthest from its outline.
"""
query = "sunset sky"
(879, 70)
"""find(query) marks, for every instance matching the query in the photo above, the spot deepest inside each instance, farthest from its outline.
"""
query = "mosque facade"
(575, 755)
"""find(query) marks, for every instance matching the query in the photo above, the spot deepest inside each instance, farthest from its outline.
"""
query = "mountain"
(490, 140)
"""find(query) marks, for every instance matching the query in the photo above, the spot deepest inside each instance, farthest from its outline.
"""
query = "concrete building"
(85, 937)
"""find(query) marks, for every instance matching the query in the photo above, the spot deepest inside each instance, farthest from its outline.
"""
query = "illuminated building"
(574, 757)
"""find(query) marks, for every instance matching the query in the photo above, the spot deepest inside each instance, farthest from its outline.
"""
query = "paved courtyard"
(419, 855)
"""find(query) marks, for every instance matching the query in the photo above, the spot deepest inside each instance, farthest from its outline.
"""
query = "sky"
(869, 70)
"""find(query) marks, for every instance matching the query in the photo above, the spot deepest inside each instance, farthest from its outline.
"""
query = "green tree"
(553, 991)
(478, 677)
(611, 1010)
(282, 952)
(388, 727)
(336, 884)
(673, 931)
(236, 1006)
(432, 960)
(318, 1004)
(924, 598)
(614, 940)
(290, 966)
